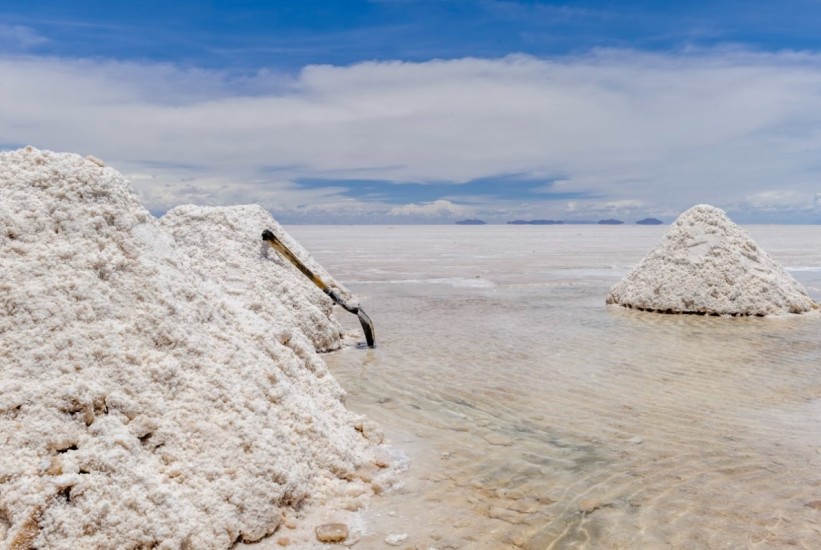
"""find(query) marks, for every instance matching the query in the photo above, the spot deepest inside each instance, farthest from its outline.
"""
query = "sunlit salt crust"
(159, 381)
(706, 264)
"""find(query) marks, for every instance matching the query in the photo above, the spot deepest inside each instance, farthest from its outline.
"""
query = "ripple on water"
(538, 418)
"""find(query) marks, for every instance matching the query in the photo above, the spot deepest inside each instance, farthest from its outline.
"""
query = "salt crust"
(706, 264)
(159, 384)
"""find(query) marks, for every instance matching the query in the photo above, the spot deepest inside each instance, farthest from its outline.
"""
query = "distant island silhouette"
(609, 221)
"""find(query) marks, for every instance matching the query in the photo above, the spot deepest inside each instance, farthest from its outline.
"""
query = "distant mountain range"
(611, 221)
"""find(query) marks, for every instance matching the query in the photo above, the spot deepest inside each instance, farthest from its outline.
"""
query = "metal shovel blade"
(367, 327)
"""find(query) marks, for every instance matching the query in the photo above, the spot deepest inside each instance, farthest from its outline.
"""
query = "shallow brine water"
(537, 417)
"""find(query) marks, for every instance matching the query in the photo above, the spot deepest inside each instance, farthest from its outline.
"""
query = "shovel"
(367, 326)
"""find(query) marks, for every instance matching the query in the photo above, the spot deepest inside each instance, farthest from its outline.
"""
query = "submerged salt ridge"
(159, 382)
(707, 264)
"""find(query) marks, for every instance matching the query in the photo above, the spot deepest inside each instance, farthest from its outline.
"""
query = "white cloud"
(19, 38)
(780, 199)
(666, 130)
(435, 209)
(789, 202)
(593, 210)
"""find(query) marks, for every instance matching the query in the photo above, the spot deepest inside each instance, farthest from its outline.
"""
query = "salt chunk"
(397, 539)
(331, 532)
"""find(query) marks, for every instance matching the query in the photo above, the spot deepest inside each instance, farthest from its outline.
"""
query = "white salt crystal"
(396, 539)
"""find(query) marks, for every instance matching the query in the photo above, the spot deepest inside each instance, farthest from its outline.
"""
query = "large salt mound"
(151, 393)
(706, 264)
(225, 245)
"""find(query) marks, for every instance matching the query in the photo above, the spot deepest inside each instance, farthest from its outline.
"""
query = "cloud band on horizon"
(616, 132)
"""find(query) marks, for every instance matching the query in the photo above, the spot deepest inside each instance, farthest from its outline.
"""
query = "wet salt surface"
(536, 417)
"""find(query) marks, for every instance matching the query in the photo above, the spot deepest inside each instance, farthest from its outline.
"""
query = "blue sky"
(428, 111)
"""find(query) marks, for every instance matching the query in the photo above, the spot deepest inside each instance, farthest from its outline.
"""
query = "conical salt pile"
(706, 264)
(159, 385)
